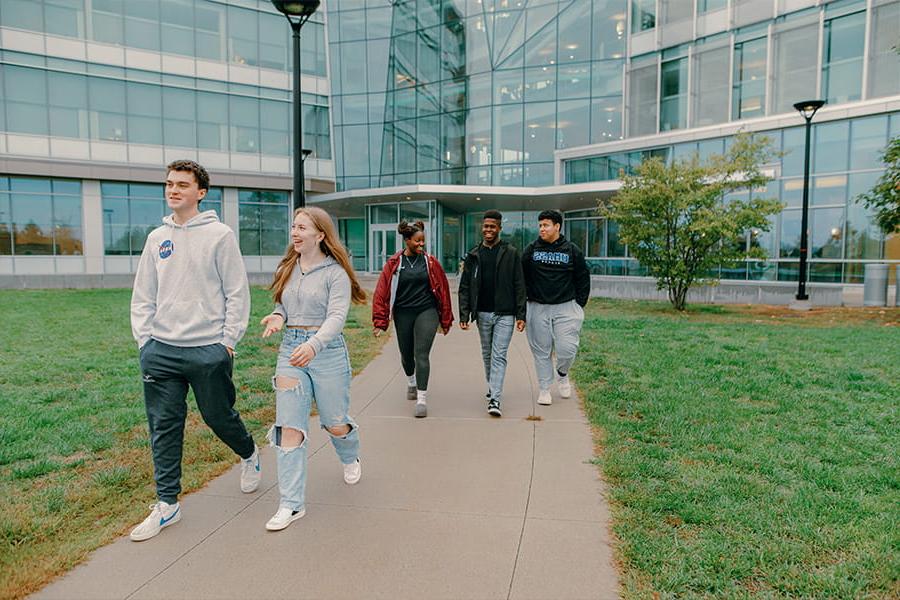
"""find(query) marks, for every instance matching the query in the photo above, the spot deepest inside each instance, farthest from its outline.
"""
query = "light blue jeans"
(495, 332)
(327, 380)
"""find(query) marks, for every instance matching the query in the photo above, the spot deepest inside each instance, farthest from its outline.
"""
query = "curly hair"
(197, 169)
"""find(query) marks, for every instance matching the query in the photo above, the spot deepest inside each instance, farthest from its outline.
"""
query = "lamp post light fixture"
(297, 14)
(808, 110)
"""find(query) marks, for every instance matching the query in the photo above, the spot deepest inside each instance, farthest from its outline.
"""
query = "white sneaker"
(352, 472)
(283, 518)
(250, 473)
(544, 398)
(161, 515)
(565, 388)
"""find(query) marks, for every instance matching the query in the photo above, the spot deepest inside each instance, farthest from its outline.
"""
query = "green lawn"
(75, 467)
(749, 452)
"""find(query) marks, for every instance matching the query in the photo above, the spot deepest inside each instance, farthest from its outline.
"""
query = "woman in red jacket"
(413, 289)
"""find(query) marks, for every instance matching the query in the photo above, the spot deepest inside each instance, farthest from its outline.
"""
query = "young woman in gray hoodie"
(313, 287)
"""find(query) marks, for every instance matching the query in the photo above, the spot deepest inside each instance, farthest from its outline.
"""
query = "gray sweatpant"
(553, 327)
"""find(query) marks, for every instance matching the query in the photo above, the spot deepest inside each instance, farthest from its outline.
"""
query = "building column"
(92, 226)
(230, 211)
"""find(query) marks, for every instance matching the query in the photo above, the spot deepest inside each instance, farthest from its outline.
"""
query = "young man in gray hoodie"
(189, 308)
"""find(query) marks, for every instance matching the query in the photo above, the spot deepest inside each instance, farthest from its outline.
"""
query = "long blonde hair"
(331, 245)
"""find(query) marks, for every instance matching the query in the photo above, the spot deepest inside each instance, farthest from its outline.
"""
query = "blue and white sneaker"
(161, 515)
(250, 473)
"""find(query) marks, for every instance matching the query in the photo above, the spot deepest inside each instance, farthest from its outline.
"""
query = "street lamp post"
(808, 109)
(297, 13)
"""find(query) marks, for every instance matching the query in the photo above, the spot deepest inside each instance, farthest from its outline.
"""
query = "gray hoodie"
(320, 297)
(191, 285)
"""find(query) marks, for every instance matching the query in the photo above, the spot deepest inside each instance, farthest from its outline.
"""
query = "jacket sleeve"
(519, 287)
(336, 311)
(526, 267)
(381, 300)
(582, 277)
(465, 282)
(143, 297)
(446, 306)
(236, 289)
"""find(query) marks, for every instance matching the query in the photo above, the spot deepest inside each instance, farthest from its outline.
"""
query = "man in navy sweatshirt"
(558, 285)
(189, 308)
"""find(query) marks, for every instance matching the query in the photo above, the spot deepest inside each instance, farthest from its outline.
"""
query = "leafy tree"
(885, 196)
(677, 223)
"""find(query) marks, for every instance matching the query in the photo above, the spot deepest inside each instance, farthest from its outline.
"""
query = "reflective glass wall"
(40, 217)
(844, 163)
(73, 99)
(471, 92)
(247, 32)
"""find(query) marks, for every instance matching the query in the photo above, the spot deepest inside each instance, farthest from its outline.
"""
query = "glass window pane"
(540, 126)
(673, 95)
(478, 137)
(574, 32)
(829, 189)
(32, 223)
(790, 233)
(710, 87)
(830, 146)
(22, 14)
(642, 117)
(869, 138)
(606, 119)
(643, 15)
(864, 237)
(574, 81)
(572, 116)
(844, 40)
(540, 83)
(749, 93)
(826, 229)
(795, 66)
(609, 29)
(210, 30)
(212, 116)
(884, 76)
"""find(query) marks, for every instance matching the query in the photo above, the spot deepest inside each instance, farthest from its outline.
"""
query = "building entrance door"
(384, 242)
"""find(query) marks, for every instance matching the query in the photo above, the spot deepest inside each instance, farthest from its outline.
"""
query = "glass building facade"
(109, 91)
(559, 98)
(439, 110)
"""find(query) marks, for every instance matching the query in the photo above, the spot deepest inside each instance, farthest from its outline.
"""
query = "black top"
(413, 288)
(488, 282)
(556, 273)
(509, 283)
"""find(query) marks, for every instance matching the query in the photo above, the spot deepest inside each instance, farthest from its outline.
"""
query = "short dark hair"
(552, 214)
(197, 169)
(492, 214)
(407, 230)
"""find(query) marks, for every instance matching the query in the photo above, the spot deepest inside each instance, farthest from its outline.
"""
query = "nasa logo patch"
(166, 249)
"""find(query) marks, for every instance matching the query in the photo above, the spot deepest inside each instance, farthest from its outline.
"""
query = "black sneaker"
(494, 409)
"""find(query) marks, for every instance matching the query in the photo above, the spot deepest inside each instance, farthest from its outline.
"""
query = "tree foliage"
(677, 223)
(885, 196)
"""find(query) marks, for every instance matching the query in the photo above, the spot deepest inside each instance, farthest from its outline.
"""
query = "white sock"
(411, 380)
(420, 396)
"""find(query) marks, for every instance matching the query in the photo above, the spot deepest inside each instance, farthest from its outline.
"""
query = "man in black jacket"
(492, 292)
(558, 284)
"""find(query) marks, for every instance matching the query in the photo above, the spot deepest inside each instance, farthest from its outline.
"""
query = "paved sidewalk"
(457, 505)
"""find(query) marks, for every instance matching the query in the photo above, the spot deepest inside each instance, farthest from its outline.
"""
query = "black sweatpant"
(416, 329)
(167, 372)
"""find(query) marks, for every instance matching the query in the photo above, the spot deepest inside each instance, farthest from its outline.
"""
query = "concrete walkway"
(458, 505)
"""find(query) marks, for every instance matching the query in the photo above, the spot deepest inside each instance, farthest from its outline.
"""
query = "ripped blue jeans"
(327, 380)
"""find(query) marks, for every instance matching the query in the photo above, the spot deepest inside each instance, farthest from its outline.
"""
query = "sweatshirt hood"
(327, 262)
(204, 218)
(560, 241)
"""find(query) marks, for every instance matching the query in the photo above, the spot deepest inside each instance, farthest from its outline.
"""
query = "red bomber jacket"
(386, 291)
